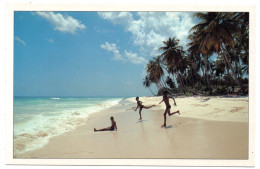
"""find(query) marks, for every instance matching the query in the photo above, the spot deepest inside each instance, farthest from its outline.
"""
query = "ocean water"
(37, 119)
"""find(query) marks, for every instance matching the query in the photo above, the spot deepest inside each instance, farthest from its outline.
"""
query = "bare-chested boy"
(168, 106)
(113, 126)
(141, 106)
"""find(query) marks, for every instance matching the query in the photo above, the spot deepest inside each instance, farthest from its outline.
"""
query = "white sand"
(208, 108)
(212, 129)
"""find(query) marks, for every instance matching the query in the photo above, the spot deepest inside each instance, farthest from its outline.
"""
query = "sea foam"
(55, 98)
(33, 130)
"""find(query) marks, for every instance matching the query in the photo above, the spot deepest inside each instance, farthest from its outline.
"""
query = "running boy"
(168, 106)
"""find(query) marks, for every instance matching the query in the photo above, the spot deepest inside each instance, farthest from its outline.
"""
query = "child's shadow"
(168, 127)
(173, 126)
(140, 121)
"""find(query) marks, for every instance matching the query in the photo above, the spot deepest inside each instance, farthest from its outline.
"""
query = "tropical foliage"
(215, 62)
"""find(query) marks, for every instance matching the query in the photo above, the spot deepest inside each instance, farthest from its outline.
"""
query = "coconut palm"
(242, 41)
(147, 84)
(201, 59)
(155, 72)
(172, 57)
(170, 82)
(215, 33)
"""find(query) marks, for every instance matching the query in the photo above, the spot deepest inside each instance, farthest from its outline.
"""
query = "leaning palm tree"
(194, 58)
(215, 33)
(155, 72)
(172, 57)
(170, 82)
(198, 57)
(147, 84)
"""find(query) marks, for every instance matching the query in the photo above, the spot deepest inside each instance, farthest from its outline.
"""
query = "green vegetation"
(215, 62)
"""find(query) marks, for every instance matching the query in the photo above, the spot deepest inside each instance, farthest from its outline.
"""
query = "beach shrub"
(220, 91)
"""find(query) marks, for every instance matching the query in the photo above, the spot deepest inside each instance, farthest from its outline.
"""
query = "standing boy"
(141, 106)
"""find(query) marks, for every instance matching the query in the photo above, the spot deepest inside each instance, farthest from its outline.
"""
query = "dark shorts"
(112, 128)
(168, 107)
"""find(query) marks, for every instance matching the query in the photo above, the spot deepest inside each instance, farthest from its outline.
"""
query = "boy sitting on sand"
(113, 126)
(168, 106)
(141, 106)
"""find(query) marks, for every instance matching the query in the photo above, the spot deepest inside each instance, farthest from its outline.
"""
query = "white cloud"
(19, 40)
(149, 29)
(122, 18)
(51, 40)
(128, 55)
(111, 47)
(62, 23)
(132, 57)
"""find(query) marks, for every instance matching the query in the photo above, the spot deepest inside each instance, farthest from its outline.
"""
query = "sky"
(90, 54)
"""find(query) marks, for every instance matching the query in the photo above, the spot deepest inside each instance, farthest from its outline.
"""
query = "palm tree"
(242, 41)
(200, 58)
(172, 57)
(170, 82)
(155, 72)
(219, 70)
(215, 33)
(147, 84)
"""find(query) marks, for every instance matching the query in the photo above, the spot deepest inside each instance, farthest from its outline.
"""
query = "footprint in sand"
(236, 109)
(204, 100)
(200, 105)
(133, 108)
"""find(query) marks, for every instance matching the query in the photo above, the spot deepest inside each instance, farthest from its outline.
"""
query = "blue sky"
(90, 53)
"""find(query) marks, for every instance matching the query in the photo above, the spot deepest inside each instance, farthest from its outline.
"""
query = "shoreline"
(216, 138)
(44, 126)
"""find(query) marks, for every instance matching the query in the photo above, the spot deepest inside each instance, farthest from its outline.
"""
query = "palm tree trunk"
(160, 85)
(207, 77)
(226, 65)
(151, 91)
(203, 73)
(227, 69)
(157, 85)
(230, 66)
(182, 83)
(164, 83)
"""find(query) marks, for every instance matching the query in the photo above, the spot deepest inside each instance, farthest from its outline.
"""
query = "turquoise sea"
(37, 119)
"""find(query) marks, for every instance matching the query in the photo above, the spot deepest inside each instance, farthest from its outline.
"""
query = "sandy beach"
(207, 128)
